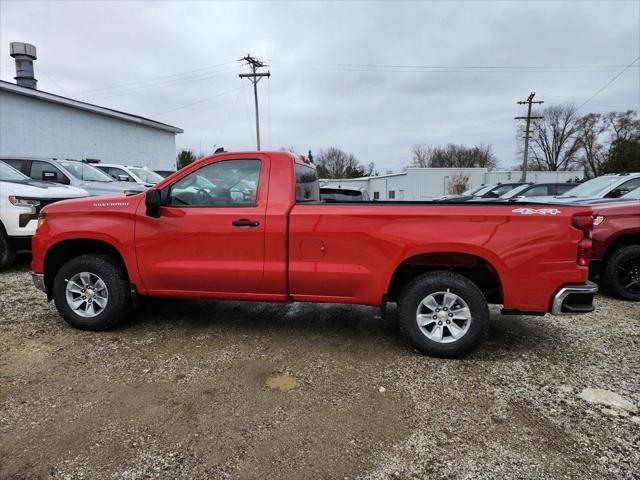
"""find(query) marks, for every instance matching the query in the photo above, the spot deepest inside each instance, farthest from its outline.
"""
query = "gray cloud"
(161, 56)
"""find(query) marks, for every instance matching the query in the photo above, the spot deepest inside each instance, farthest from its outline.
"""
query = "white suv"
(21, 199)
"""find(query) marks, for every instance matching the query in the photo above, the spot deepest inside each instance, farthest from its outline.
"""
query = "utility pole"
(529, 101)
(254, 77)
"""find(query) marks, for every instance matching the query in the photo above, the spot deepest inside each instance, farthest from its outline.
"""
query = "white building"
(426, 183)
(34, 123)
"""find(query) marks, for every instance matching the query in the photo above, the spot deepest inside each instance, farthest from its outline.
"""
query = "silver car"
(72, 172)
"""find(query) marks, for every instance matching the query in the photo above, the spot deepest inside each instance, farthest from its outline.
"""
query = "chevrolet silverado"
(251, 226)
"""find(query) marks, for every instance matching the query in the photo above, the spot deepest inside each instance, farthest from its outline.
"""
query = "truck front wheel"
(90, 292)
(443, 314)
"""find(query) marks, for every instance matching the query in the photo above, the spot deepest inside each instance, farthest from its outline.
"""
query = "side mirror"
(124, 178)
(49, 176)
(152, 202)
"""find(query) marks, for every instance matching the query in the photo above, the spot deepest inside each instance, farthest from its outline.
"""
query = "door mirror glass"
(152, 202)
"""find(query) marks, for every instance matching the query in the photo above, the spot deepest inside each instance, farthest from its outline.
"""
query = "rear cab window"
(307, 186)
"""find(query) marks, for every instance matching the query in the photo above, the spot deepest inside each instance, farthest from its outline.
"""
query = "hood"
(93, 205)
(42, 190)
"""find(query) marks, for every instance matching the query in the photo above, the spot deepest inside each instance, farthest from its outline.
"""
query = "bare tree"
(625, 125)
(591, 128)
(555, 143)
(420, 155)
(453, 156)
(335, 163)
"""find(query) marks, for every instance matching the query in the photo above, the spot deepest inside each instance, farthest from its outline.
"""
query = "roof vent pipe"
(24, 54)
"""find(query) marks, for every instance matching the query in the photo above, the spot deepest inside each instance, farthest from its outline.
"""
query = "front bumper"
(38, 281)
(574, 299)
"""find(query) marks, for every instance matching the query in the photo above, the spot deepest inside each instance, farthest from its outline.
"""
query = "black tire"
(620, 269)
(443, 281)
(7, 252)
(119, 294)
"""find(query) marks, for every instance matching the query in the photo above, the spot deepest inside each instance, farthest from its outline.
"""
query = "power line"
(608, 83)
(197, 102)
(224, 125)
(153, 79)
(255, 77)
(170, 83)
(453, 68)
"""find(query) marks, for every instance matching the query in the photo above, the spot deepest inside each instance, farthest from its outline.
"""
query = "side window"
(376, 195)
(226, 183)
(560, 189)
(17, 164)
(631, 184)
(39, 168)
(539, 191)
(392, 194)
(307, 187)
(116, 173)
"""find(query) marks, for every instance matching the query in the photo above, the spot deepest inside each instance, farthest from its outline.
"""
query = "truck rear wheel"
(7, 252)
(91, 292)
(622, 273)
(443, 314)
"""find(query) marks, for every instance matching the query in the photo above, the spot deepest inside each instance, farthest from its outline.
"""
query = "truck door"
(210, 235)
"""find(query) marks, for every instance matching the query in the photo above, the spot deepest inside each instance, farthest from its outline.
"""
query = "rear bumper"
(574, 299)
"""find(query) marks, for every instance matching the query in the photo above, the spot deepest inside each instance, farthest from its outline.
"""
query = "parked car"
(606, 186)
(165, 173)
(72, 172)
(491, 191)
(140, 175)
(332, 194)
(538, 190)
(616, 246)
(466, 193)
(21, 200)
(282, 244)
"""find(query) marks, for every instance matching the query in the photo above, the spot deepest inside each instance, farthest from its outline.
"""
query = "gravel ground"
(204, 389)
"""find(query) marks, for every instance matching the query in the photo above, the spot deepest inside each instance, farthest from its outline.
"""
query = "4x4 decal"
(536, 211)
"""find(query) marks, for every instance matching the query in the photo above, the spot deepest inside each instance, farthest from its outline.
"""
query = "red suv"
(616, 247)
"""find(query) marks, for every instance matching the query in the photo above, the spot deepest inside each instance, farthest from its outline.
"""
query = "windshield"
(473, 190)
(515, 192)
(147, 176)
(10, 174)
(484, 190)
(591, 188)
(83, 171)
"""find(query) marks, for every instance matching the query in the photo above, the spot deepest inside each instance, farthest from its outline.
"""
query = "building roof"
(70, 102)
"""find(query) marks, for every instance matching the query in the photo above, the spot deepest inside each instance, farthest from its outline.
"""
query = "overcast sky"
(332, 82)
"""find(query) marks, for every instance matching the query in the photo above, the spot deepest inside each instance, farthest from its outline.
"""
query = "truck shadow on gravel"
(333, 325)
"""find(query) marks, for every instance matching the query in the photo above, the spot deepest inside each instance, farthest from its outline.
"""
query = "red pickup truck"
(250, 226)
(616, 247)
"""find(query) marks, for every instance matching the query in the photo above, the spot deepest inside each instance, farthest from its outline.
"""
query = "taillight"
(585, 224)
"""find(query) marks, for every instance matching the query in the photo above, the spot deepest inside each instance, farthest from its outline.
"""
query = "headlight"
(23, 202)
(597, 220)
